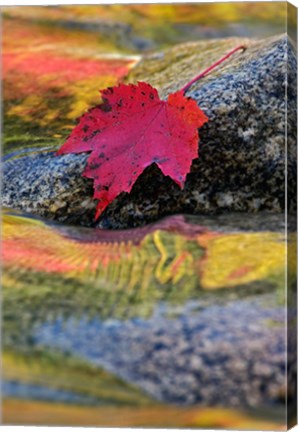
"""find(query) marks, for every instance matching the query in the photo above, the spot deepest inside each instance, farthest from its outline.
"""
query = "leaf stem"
(210, 68)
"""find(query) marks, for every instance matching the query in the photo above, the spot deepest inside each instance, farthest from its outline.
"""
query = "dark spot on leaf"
(94, 165)
(93, 134)
(105, 107)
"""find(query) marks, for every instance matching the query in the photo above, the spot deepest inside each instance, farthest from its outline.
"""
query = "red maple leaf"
(132, 129)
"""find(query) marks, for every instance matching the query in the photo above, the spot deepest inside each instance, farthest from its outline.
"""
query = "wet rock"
(237, 347)
(242, 151)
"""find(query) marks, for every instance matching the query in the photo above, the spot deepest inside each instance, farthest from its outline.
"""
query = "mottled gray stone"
(242, 153)
(230, 353)
(49, 186)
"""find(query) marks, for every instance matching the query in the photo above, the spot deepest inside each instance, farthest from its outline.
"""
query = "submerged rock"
(227, 354)
(242, 152)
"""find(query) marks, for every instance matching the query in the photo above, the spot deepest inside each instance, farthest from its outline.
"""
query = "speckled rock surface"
(185, 355)
(49, 186)
(242, 152)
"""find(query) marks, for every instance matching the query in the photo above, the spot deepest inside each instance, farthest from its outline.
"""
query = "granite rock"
(242, 151)
(235, 346)
(48, 186)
